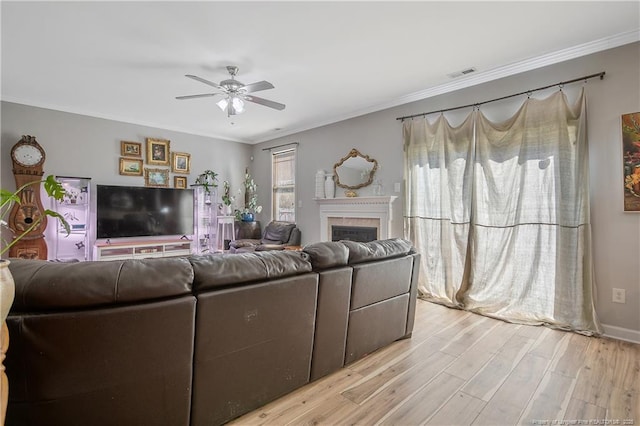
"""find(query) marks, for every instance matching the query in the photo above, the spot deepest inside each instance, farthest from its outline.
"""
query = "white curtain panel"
(438, 167)
(523, 189)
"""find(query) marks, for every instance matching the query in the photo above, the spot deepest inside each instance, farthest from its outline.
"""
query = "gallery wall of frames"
(156, 162)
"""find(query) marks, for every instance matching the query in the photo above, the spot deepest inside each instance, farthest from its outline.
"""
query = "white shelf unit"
(205, 236)
(74, 207)
(141, 249)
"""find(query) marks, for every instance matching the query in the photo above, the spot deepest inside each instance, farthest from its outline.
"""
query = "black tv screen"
(133, 211)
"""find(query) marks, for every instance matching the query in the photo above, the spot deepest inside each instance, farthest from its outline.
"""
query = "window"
(283, 171)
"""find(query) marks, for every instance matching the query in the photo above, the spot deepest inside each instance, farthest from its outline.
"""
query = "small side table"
(248, 230)
(225, 224)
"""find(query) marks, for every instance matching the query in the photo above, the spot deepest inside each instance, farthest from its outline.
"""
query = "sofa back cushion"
(277, 232)
(42, 285)
(327, 254)
(377, 281)
(219, 270)
(377, 250)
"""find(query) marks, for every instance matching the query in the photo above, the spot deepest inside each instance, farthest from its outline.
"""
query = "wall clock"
(27, 155)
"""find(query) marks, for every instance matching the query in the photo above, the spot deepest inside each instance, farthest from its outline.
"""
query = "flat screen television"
(134, 211)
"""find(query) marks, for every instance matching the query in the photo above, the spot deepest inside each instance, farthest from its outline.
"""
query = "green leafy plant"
(250, 197)
(227, 199)
(208, 179)
(7, 199)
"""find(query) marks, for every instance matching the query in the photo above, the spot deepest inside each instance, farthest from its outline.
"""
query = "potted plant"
(227, 199)
(7, 199)
(52, 187)
(251, 207)
(209, 181)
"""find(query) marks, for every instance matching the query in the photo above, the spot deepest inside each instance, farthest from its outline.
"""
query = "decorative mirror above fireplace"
(355, 170)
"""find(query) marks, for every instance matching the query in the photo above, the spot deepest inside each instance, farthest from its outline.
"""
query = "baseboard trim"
(621, 333)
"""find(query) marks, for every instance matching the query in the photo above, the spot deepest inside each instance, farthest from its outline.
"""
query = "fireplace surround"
(369, 212)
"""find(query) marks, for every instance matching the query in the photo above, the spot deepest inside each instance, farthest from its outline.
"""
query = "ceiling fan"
(235, 93)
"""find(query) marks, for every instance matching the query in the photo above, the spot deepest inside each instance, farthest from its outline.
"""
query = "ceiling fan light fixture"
(238, 105)
(232, 105)
(222, 103)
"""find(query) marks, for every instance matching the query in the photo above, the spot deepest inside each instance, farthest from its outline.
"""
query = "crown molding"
(523, 66)
(481, 77)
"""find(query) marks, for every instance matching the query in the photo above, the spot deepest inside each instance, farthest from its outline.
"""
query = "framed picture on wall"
(631, 161)
(156, 177)
(130, 149)
(181, 162)
(158, 152)
(180, 182)
(130, 166)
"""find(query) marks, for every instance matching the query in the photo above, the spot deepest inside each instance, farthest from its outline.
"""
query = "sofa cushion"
(376, 281)
(269, 242)
(268, 247)
(376, 250)
(53, 285)
(375, 326)
(218, 270)
(277, 232)
(244, 243)
(327, 254)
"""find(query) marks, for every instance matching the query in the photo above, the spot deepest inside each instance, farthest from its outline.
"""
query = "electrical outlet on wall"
(619, 295)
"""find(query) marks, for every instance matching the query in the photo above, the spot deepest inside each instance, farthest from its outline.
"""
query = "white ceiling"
(328, 61)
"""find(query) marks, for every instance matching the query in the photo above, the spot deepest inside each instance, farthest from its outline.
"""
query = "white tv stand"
(141, 249)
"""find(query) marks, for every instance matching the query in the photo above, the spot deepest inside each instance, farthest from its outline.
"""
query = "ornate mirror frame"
(353, 154)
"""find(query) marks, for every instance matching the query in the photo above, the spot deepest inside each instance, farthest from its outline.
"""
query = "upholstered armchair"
(275, 236)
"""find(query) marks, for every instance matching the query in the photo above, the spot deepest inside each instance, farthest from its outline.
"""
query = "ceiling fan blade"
(257, 86)
(202, 80)
(204, 95)
(265, 102)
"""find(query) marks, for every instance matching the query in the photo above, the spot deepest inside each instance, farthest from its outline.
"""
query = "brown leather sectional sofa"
(198, 340)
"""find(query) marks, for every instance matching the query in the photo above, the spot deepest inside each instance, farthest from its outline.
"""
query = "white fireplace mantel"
(380, 208)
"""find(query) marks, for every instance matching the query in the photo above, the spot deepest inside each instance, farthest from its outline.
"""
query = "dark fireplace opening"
(362, 234)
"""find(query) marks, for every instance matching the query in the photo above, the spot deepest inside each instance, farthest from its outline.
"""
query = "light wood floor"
(460, 369)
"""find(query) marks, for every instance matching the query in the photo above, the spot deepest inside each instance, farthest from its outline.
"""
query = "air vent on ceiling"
(465, 71)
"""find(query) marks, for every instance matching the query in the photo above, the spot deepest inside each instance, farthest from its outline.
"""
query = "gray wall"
(77, 145)
(83, 146)
(616, 235)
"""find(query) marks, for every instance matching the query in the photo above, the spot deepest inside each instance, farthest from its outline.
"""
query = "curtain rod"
(279, 146)
(562, 83)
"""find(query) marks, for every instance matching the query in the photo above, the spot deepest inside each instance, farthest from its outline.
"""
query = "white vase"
(329, 187)
(377, 188)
